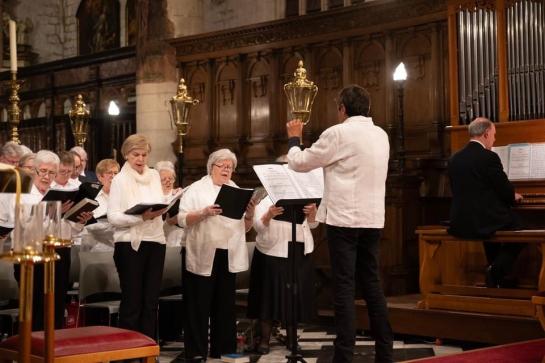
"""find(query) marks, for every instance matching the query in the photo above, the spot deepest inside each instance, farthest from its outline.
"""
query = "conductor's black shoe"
(492, 280)
(262, 350)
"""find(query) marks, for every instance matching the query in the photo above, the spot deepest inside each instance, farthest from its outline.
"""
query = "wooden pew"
(446, 283)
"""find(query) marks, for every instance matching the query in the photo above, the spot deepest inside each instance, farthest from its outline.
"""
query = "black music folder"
(233, 201)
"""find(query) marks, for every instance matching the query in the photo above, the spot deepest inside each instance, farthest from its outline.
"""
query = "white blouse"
(215, 232)
(173, 233)
(126, 192)
(273, 240)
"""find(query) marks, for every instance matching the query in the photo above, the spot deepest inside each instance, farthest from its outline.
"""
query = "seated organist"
(100, 235)
(482, 199)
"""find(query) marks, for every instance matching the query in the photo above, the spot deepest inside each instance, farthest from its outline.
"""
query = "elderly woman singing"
(139, 252)
(215, 252)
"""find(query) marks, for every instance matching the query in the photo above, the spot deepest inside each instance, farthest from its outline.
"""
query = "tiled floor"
(317, 347)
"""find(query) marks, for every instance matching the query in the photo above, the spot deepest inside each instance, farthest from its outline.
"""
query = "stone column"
(156, 78)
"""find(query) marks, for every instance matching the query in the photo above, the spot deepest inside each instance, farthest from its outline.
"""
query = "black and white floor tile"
(317, 347)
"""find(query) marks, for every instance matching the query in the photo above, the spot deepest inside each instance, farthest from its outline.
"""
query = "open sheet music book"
(140, 208)
(283, 185)
(522, 161)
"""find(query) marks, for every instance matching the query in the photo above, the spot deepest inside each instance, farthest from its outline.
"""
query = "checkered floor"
(317, 347)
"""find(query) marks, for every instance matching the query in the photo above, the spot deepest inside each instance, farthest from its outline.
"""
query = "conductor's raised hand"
(150, 213)
(211, 210)
(518, 197)
(294, 128)
(310, 211)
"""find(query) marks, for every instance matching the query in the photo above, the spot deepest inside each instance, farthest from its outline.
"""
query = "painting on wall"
(98, 26)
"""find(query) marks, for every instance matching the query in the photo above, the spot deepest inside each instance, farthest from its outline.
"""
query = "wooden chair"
(86, 345)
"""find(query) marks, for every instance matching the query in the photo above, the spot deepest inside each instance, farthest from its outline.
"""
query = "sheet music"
(503, 153)
(537, 161)
(519, 161)
(276, 181)
(284, 183)
(308, 185)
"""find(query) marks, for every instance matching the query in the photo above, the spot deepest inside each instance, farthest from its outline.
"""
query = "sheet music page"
(537, 161)
(503, 153)
(276, 181)
(519, 161)
(310, 184)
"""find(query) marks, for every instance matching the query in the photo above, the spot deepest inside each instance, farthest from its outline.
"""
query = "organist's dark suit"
(482, 198)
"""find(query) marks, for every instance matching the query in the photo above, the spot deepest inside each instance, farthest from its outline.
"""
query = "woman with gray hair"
(215, 251)
(46, 166)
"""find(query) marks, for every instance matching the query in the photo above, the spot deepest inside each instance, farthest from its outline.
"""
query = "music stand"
(294, 209)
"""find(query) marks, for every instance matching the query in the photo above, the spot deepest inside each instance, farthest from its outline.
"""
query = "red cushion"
(89, 339)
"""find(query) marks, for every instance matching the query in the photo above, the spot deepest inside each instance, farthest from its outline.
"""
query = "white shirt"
(120, 200)
(71, 184)
(273, 240)
(173, 233)
(100, 235)
(203, 238)
(354, 155)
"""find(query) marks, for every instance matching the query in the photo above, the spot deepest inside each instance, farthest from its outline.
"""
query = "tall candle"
(13, 45)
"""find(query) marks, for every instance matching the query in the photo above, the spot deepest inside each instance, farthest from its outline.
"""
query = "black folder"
(233, 201)
(290, 205)
(86, 190)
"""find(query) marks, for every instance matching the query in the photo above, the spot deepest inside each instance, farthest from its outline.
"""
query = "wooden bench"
(446, 284)
(86, 345)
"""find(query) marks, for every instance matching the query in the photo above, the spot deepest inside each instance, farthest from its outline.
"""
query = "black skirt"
(269, 299)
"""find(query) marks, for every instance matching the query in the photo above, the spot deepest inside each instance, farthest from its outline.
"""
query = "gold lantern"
(301, 93)
(181, 106)
(79, 119)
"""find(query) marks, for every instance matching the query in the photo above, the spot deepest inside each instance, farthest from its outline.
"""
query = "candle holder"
(301, 93)
(14, 111)
(79, 119)
(181, 106)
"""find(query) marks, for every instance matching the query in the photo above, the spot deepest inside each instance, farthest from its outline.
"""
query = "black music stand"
(294, 209)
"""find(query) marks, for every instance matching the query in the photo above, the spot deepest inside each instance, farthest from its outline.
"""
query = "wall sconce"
(113, 109)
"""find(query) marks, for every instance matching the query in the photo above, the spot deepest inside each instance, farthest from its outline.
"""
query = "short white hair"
(165, 165)
(80, 151)
(46, 157)
(11, 148)
(25, 150)
(221, 154)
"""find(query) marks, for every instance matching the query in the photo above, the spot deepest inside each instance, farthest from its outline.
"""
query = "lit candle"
(13, 45)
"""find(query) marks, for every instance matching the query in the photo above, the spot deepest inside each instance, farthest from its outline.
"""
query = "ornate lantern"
(301, 93)
(181, 106)
(79, 118)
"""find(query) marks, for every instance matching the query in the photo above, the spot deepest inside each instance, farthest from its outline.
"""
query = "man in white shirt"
(354, 155)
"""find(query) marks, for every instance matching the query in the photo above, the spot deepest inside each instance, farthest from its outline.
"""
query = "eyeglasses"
(110, 173)
(224, 167)
(167, 180)
(45, 172)
(65, 172)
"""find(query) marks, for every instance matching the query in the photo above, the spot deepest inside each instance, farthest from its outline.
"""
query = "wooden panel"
(481, 305)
